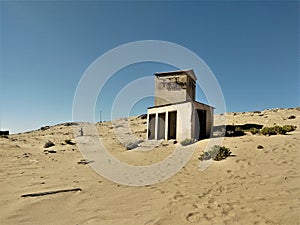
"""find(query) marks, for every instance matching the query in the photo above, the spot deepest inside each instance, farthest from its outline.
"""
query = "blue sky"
(252, 47)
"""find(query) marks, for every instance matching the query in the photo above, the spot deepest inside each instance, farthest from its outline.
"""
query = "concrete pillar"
(166, 125)
(147, 133)
(156, 126)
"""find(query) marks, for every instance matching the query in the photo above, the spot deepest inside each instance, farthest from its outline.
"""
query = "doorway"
(172, 124)
(151, 127)
(201, 125)
(161, 126)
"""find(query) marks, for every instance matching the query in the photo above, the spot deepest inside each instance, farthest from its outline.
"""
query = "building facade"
(175, 114)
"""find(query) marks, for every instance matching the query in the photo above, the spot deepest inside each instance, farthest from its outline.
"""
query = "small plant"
(71, 124)
(254, 130)
(205, 156)
(268, 131)
(238, 131)
(289, 128)
(45, 128)
(186, 142)
(257, 112)
(234, 131)
(216, 153)
(278, 129)
(49, 144)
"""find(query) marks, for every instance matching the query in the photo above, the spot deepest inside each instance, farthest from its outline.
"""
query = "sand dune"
(254, 186)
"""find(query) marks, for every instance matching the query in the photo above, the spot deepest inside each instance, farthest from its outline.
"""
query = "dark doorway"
(161, 126)
(201, 125)
(151, 128)
(172, 125)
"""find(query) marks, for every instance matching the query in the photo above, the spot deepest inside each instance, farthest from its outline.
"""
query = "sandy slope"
(255, 186)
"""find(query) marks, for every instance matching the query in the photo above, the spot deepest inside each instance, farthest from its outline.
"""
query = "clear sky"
(252, 47)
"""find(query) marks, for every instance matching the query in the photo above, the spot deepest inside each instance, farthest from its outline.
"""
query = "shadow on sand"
(234, 130)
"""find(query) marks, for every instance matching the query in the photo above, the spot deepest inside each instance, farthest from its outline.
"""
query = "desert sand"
(253, 186)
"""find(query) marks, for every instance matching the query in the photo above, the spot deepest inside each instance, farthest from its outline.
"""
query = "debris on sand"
(46, 151)
(50, 192)
(133, 145)
(70, 142)
(49, 144)
(85, 161)
(260, 147)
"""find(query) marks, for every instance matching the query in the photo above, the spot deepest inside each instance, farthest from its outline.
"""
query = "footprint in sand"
(193, 217)
(250, 163)
(177, 197)
(230, 173)
(240, 160)
(227, 209)
(153, 222)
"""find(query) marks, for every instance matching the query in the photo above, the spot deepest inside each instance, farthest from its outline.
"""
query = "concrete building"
(176, 114)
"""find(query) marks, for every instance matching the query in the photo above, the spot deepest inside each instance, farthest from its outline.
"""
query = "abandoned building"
(176, 114)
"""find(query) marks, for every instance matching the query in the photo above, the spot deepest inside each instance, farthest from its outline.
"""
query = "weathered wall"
(187, 119)
(184, 118)
(209, 118)
(191, 89)
(173, 89)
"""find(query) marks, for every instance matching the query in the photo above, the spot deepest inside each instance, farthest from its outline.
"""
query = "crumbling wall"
(173, 89)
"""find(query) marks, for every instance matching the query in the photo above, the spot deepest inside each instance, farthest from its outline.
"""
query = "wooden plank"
(50, 192)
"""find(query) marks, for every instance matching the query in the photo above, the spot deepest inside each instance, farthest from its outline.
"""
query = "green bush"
(186, 142)
(232, 131)
(289, 128)
(205, 156)
(268, 131)
(216, 153)
(254, 130)
(278, 129)
(238, 131)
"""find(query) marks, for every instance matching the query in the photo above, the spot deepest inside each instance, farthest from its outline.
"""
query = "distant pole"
(100, 116)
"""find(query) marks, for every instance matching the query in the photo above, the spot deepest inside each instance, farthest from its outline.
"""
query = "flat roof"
(189, 72)
(177, 103)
